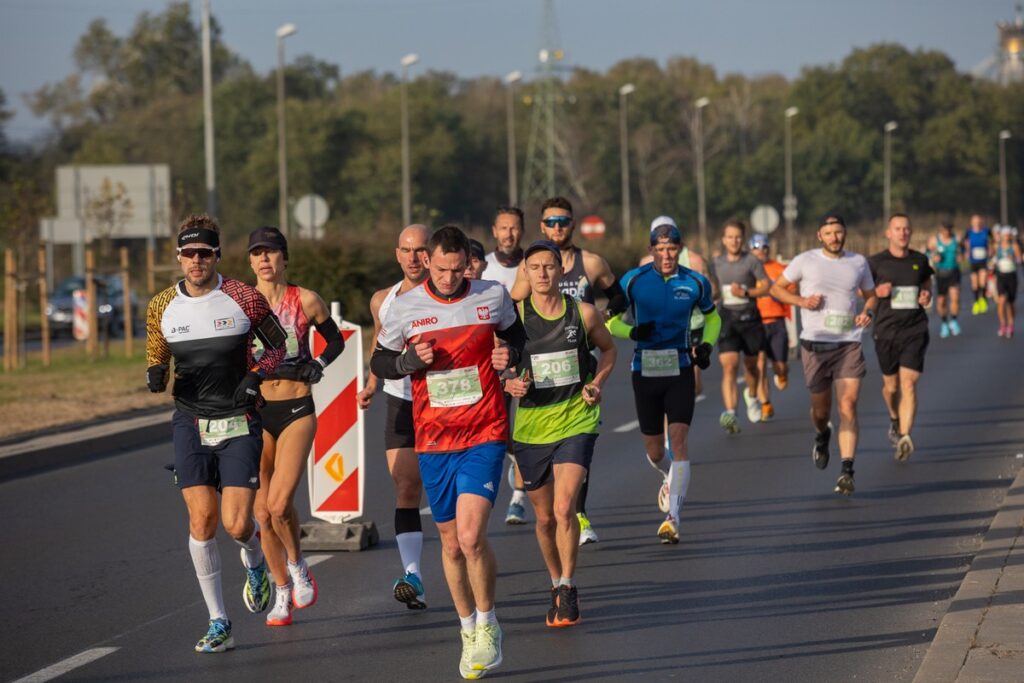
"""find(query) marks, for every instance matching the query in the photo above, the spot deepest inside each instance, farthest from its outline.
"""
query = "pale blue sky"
(474, 37)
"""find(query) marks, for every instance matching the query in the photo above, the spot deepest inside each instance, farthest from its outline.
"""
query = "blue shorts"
(235, 462)
(446, 476)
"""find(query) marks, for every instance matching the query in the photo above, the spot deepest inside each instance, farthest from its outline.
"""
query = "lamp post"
(406, 62)
(211, 177)
(510, 80)
(282, 162)
(887, 190)
(624, 91)
(1004, 213)
(698, 128)
(789, 201)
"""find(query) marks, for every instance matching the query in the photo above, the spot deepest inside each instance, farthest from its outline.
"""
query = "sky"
(494, 37)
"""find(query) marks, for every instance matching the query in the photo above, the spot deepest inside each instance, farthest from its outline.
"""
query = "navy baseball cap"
(476, 249)
(544, 245)
(269, 237)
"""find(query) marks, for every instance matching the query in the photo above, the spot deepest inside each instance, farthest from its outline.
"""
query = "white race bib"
(1006, 265)
(904, 298)
(659, 362)
(555, 369)
(979, 253)
(450, 388)
(213, 432)
(838, 322)
(730, 299)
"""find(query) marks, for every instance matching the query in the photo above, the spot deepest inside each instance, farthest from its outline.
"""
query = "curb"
(958, 631)
(65, 447)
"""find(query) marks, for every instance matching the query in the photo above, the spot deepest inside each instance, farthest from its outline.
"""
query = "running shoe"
(568, 613)
(466, 661)
(486, 648)
(304, 591)
(668, 532)
(767, 412)
(587, 533)
(218, 637)
(553, 609)
(894, 430)
(944, 330)
(409, 589)
(819, 454)
(516, 514)
(904, 447)
(729, 423)
(976, 308)
(1009, 331)
(1002, 331)
(983, 304)
(844, 484)
(256, 591)
(781, 382)
(954, 327)
(281, 613)
(754, 412)
(663, 496)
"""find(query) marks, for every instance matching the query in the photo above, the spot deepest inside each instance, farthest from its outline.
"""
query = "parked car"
(109, 304)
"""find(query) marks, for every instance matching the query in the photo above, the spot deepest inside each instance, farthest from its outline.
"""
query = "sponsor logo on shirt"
(432, 320)
(223, 324)
(180, 329)
(682, 293)
(571, 332)
(483, 312)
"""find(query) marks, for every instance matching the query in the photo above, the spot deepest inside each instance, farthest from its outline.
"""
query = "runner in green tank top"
(559, 389)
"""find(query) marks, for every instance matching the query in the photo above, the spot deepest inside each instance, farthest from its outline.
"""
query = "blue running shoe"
(944, 330)
(256, 591)
(409, 589)
(516, 514)
(218, 637)
(954, 327)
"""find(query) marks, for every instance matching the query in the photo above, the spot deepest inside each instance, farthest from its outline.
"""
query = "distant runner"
(774, 315)
(477, 261)
(978, 245)
(945, 251)
(1005, 263)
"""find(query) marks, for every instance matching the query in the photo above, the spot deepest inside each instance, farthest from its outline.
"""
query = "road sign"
(311, 213)
(764, 219)
(592, 227)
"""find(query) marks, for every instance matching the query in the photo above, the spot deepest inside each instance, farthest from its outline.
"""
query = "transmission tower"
(1007, 64)
(546, 148)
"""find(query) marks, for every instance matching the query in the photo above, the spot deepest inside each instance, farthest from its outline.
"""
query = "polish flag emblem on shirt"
(483, 312)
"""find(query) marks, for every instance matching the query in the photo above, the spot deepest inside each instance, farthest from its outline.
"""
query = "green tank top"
(557, 354)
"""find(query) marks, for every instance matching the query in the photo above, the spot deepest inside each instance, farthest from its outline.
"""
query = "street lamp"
(1004, 214)
(510, 81)
(698, 129)
(211, 178)
(789, 202)
(406, 62)
(624, 157)
(283, 32)
(887, 152)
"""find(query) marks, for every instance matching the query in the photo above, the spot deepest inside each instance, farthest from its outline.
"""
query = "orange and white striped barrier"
(79, 315)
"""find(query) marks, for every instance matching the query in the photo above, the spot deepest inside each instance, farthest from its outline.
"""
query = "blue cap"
(668, 232)
(544, 245)
(758, 241)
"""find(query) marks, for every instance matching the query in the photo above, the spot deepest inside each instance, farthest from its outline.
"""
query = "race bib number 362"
(451, 388)
(659, 363)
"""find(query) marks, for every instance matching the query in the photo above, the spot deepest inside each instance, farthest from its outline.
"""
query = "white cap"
(663, 220)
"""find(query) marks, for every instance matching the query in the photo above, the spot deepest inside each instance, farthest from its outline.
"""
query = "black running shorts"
(398, 429)
(235, 462)
(658, 397)
(277, 415)
(776, 340)
(946, 280)
(536, 462)
(740, 336)
(1006, 285)
(905, 351)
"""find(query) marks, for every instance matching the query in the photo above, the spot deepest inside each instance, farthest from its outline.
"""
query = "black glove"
(248, 390)
(156, 378)
(642, 331)
(311, 372)
(702, 355)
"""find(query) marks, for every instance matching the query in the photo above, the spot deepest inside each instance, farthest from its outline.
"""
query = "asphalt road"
(776, 578)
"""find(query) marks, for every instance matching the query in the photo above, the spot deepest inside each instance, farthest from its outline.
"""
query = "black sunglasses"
(557, 221)
(203, 253)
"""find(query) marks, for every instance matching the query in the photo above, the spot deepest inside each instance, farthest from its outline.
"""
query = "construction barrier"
(80, 315)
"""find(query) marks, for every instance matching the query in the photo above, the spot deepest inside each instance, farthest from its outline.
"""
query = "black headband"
(200, 236)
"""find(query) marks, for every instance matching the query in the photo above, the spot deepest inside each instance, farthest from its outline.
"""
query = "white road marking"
(426, 511)
(69, 664)
(699, 398)
(628, 427)
(314, 560)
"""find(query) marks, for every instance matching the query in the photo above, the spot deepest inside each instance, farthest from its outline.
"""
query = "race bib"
(659, 362)
(979, 253)
(451, 388)
(1006, 265)
(729, 299)
(904, 298)
(838, 323)
(556, 369)
(213, 432)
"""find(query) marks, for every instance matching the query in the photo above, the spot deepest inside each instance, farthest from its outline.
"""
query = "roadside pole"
(91, 345)
(44, 320)
(126, 326)
(10, 312)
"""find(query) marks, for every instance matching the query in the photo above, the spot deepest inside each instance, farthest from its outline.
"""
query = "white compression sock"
(206, 559)
(253, 555)
(678, 485)
(519, 496)
(486, 617)
(410, 549)
(468, 623)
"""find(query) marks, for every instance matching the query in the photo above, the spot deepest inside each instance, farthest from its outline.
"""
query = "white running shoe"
(904, 447)
(281, 613)
(663, 496)
(304, 591)
(754, 413)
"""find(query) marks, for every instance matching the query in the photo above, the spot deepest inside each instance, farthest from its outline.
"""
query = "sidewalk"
(981, 638)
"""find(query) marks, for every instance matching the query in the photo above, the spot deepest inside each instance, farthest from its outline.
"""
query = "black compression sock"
(407, 520)
(848, 466)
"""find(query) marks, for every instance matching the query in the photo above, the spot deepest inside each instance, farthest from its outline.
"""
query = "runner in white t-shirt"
(830, 281)
(503, 262)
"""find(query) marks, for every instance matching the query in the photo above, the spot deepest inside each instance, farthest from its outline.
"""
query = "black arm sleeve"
(616, 298)
(515, 336)
(388, 364)
(328, 329)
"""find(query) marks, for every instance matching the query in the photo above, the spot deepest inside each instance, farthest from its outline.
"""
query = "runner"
(978, 244)
(503, 262)
(903, 286)
(945, 254)
(446, 328)
(582, 272)
(1007, 258)
(774, 315)
(289, 420)
(661, 297)
(742, 279)
(207, 323)
(829, 279)
(556, 423)
(398, 428)
(477, 261)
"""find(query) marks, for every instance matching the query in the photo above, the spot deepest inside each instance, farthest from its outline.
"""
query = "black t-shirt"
(900, 313)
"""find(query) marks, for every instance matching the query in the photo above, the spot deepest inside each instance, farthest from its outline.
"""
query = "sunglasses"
(203, 253)
(557, 221)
